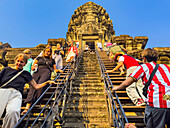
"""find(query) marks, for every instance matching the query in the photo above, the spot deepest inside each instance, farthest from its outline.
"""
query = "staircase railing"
(117, 115)
(55, 109)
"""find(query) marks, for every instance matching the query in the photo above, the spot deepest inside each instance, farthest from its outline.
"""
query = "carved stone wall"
(53, 42)
(90, 23)
(130, 43)
(164, 55)
(12, 52)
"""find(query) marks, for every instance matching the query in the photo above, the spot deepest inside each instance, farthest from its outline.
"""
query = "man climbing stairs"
(134, 114)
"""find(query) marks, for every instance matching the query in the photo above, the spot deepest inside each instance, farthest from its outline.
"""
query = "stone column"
(80, 42)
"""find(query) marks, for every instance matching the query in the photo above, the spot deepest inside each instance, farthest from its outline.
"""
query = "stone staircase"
(87, 106)
(135, 114)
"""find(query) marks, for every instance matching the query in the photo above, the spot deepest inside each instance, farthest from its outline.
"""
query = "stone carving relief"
(90, 19)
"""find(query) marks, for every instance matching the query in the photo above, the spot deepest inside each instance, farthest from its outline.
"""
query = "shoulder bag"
(12, 78)
(149, 81)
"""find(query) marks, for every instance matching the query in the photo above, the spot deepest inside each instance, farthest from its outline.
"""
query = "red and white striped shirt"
(160, 84)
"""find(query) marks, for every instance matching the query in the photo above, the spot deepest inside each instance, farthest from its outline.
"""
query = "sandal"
(122, 73)
(24, 112)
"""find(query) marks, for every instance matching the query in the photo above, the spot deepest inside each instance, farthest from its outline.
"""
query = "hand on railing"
(58, 70)
(115, 89)
(51, 82)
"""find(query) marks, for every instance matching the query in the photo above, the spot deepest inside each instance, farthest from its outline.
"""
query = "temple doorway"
(91, 45)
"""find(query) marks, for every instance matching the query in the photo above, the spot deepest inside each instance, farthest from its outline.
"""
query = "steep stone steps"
(89, 84)
(87, 104)
(87, 78)
(87, 81)
(86, 124)
(135, 114)
(92, 89)
(85, 75)
(132, 108)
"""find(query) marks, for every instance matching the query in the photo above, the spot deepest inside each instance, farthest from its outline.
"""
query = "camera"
(57, 52)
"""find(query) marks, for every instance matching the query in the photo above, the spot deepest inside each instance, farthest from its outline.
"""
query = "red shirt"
(74, 49)
(128, 61)
(160, 84)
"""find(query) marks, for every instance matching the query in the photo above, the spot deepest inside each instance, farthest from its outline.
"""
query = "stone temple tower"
(90, 24)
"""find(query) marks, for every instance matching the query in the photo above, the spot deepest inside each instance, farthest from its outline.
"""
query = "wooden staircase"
(135, 114)
(87, 106)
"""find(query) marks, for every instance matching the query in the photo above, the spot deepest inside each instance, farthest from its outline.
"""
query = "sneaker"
(140, 102)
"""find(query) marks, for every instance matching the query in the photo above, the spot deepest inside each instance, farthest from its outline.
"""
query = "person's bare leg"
(121, 70)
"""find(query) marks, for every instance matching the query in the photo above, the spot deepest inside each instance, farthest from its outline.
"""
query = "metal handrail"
(118, 120)
(65, 80)
(65, 85)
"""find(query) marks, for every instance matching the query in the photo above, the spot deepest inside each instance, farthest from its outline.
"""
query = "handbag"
(149, 81)
(12, 78)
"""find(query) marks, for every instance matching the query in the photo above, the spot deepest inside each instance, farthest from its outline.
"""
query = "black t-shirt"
(44, 61)
(18, 83)
(58, 52)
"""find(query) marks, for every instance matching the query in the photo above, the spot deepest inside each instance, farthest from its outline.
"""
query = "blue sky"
(27, 23)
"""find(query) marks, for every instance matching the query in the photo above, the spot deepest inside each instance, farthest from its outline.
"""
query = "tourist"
(105, 48)
(30, 61)
(45, 67)
(68, 44)
(58, 53)
(11, 90)
(131, 64)
(86, 49)
(115, 48)
(157, 111)
(72, 53)
(109, 46)
(41, 53)
(99, 46)
(77, 44)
